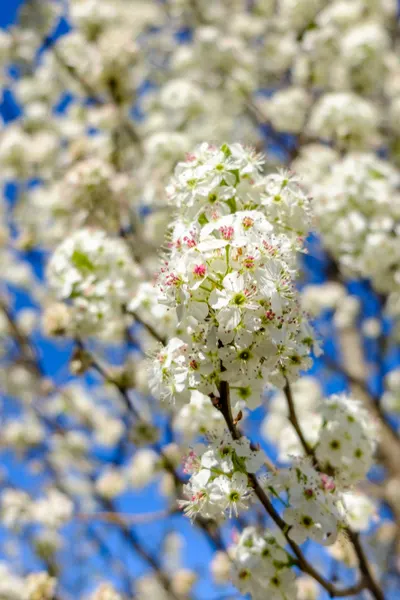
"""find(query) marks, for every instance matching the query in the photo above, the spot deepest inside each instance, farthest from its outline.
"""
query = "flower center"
(239, 299)
(306, 521)
(199, 271)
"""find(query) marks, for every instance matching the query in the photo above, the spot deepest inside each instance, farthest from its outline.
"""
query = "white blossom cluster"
(23, 433)
(107, 107)
(358, 509)
(218, 484)
(40, 586)
(96, 274)
(105, 592)
(391, 396)
(92, 190)
(230, 275)
(198, 417)
(313, 502)
(328, 296)
(338, 428)
(35, 586)
(344, 118)
(51, 511)
(357, 207)
(261, 565)
(347, 439)
(219, 181)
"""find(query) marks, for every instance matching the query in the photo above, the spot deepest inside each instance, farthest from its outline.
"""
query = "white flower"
(231, 493)
(169, 371)
(358, 510)
(312, 509)
(347, 439)
(231, 276)
(96, 274)
(220, 567)
(287, 109)
(260, 565)
(346, 118)
(219, 481)
(199, 500)
(89, 192)
(105, 592)
(40, 586)
(16, 508)
(317, 298)
(307, 588)
(110, 484)
(199, 417)
(142, 468)
(53, 510)
(391, 396)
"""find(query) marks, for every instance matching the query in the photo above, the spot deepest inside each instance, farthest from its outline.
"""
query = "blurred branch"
(129, 519)
(93, 95)
(28, 351)
(209, 528)
(150, 329)
(372, 401)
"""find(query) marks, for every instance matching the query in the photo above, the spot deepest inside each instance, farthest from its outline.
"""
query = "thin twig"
(224, 407)
(294, 420)
(208, 527)
(364, 565)
(129, 519)
(374, 404)
(28, 350)
(153, 332)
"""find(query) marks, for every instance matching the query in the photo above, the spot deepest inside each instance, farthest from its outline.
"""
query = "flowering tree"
(200, 306)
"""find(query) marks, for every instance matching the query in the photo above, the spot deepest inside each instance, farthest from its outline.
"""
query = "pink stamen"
(327, 482)
(227, 232)
(199, 271)
(247, 222)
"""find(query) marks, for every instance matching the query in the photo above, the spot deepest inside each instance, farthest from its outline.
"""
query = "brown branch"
(363, 562)
(28, 351)
(133, 540)
(208, 527)
(373, 404)
(24, 344)
(74, 74)
(88, 89)
(294, 420)
(129, 519)
(153, 332)
(223, 405)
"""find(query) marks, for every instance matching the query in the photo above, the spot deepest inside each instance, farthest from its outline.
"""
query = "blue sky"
(197, 552)
(151, 535)
(8, 9)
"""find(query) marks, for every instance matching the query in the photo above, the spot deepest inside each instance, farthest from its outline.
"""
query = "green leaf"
(375, 174)
(82, 262)
(202, 219)
(226, 150)
(232, 204)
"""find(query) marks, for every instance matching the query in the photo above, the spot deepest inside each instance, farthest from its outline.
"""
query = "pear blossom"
(96, 274)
